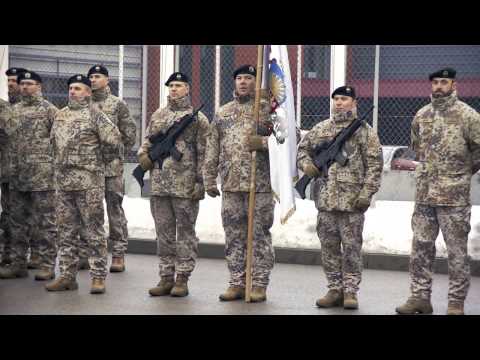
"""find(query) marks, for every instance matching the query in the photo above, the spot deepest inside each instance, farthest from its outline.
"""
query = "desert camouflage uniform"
(228, 154)
(32, 196)
(445, 136)
(84, 139)
(172, 188)
(5, 238)
(339, 222)
(117, 111)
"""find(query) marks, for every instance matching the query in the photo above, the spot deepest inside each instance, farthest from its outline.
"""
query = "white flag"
(283, 169)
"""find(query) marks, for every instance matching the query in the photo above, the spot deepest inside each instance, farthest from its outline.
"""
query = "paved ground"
(293, 291)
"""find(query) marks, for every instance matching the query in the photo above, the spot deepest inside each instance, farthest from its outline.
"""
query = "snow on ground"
(387, 226)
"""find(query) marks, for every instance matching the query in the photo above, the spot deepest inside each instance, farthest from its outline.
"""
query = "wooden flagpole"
(253, 175)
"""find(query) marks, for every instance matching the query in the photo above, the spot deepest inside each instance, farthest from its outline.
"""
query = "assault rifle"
(328, 152)
(163, 144)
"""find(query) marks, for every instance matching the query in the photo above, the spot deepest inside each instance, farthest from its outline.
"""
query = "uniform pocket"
(38, 158)
(349, 184)
(81, 159)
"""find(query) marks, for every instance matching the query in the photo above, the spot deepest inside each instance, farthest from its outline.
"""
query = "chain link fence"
(403, 86)
(315, 85)
(360, 74)
(402, 73)
(56, 63)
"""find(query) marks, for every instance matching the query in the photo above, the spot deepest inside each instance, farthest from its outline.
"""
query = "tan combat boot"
(180, 289)
(45, 274)
(118, 264)
(350, 301)
(415, 305)
(34, 262)
(98, 286)
(331, 299)
(83, 264)
(13, 271)
(62, 284)
(258, 294)
(233, 293)
(163, 287)
(455, 308)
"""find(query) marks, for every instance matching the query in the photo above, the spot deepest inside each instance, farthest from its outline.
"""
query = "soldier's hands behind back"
(145, 162)
(213, 192)
(311, 170)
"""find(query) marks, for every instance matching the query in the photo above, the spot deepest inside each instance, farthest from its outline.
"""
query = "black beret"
(14, 71)
(98, 69)
(177, 76)
(448, 73)
(344, 90)
(79, 78)
(29, 75)
(245, 69)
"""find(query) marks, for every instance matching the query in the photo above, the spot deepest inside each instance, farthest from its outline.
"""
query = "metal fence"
(56, 63)
(392, 77)
(395, 77)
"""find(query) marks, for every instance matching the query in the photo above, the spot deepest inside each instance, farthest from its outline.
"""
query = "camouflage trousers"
(117, 222)
(340, 235)
(175, 227)
(455, 225)
(76, 210)
(5, 238)
(33, 222)
(235, 225)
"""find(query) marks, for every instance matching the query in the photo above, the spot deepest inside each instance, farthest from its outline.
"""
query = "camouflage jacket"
(178, 178)
(362, 173)
(118, 113)
(30, 148)
(83, 139)
(445, 136)
(6, 114)
(227, 148)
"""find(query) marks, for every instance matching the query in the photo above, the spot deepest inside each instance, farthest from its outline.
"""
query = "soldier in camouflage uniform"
(176, 189)
(342, 197)
(445, 136)
(32, 197)
(14, 97)
(83, 140)
(117, 111)
(5, 116)
(230, 141)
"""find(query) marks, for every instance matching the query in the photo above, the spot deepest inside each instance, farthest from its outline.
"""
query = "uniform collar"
(179, 104)
(445, 102)
(101, 94)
